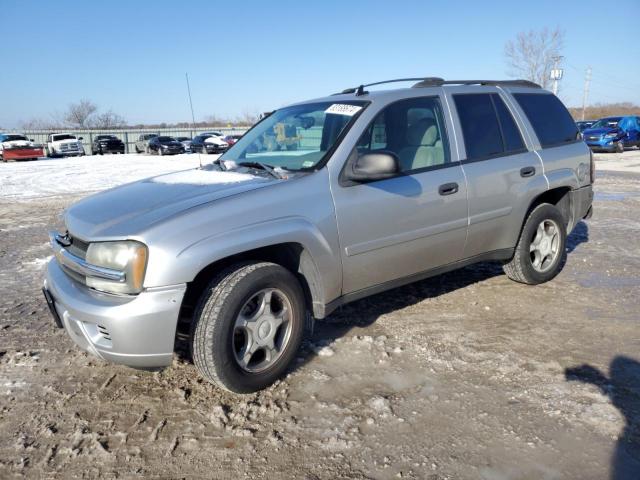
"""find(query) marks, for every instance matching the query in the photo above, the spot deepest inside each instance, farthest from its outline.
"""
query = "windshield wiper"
(267, 168)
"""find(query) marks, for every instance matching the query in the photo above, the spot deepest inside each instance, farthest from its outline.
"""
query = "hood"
(17, 143)
(597, 132)
(129, 210)
(67, 140)
(215, 140)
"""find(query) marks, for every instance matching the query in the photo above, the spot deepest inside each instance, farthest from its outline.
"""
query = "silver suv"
(319, 204)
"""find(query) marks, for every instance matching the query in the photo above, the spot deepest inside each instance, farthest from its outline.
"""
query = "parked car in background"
(210, 142)
(584, 124)
(106, 144)
(613, 134)
(394, 187)
(186, 142)
(231, 139)
(63, 145)
(14, 146)
(165, 146)
(142, 145)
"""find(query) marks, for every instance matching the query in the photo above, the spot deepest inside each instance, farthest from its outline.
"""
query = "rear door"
(503, 174)
(394, 228)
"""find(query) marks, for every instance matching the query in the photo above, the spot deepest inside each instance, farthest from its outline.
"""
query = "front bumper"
(138, 331)
(607, 145)
(110, 149)
(215, 148)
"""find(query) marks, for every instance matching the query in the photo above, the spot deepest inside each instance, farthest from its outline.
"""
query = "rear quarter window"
(550, 119)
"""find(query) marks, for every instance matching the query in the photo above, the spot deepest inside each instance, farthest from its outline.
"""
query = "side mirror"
(31, 140)
(80, 138)
(373, 166)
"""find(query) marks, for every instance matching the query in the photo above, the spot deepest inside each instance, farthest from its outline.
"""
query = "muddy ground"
(464, 376)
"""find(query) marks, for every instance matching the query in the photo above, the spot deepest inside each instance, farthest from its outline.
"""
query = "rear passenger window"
(480, 127)
(549, 118)
(510, 133)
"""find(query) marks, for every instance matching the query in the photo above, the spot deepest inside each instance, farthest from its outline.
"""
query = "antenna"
(193, 118)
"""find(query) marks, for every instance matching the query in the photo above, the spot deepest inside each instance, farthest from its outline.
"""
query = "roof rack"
(438, 82)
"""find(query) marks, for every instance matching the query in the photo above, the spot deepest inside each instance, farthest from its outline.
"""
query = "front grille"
(78, 247)
(594, 138)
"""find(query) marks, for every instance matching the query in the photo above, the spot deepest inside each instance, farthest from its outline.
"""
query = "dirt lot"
(463, 376)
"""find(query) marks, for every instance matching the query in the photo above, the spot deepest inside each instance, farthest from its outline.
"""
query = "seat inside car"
(424, 147)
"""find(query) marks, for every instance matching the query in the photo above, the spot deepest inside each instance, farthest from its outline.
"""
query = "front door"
(416, 221)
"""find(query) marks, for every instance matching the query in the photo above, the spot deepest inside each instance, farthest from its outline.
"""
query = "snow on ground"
(91, 173)
(78, 175)
(629, 161)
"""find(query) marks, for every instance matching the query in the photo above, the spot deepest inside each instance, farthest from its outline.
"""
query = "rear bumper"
(581, 203)
(138, 331)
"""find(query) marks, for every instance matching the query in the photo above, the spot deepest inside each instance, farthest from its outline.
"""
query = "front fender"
(188, 262)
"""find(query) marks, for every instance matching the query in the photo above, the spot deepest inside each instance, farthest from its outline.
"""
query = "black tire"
(520, 268)
(137, 150)
(212, 330)
(620, 147)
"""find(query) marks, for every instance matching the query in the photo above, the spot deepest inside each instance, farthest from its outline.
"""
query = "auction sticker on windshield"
(343, 109)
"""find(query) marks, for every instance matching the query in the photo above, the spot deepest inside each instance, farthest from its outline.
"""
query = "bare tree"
(248, 116)
(531, 55)
(79, 114)
(108, 119)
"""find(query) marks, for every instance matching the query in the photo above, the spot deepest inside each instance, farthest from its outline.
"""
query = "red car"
(231, 139)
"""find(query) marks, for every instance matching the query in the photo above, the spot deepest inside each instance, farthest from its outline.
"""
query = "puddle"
(615, 196)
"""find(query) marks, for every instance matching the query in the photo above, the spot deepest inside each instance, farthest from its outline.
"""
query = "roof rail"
(438, 82)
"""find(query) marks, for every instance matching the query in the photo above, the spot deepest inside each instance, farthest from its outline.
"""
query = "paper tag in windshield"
(343, 109)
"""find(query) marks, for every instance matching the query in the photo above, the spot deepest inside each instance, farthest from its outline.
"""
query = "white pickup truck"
(63, 144)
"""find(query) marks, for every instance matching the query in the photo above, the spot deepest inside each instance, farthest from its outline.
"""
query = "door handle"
(448, 188)
(527, 171)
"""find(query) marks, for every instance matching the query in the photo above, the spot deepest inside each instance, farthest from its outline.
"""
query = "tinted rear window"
(510, 133)
(480, 127)
(549, 118)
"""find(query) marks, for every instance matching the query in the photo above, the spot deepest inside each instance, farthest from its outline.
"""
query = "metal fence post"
(126, 142)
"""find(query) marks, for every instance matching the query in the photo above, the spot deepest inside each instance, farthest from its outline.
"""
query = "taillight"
(592, 162)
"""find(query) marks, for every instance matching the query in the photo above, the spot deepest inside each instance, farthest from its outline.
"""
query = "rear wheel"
(248, 326)
(620, 147)
(540, 253)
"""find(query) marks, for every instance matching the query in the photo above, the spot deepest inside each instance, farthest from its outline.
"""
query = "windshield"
(166, 139)
(296, 137)
(106, 137)
(57, 138)
(611, 122)
(11, 138)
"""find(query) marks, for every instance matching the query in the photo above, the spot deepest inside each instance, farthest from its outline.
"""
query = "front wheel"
(620, 147)
(540, 253)
(248, 326)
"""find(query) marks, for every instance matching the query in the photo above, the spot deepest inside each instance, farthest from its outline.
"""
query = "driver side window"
(413, 130)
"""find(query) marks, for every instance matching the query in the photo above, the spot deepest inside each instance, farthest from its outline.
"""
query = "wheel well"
(557, 196)
(291, 256)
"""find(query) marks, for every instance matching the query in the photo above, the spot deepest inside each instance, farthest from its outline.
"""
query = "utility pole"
(585, 95)
(556, 73)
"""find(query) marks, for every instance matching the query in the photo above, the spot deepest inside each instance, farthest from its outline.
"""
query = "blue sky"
(131, 56)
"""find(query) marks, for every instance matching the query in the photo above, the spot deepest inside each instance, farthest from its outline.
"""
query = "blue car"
(613, 134)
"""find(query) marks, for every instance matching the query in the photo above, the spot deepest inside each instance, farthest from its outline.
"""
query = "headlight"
(128, 256)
